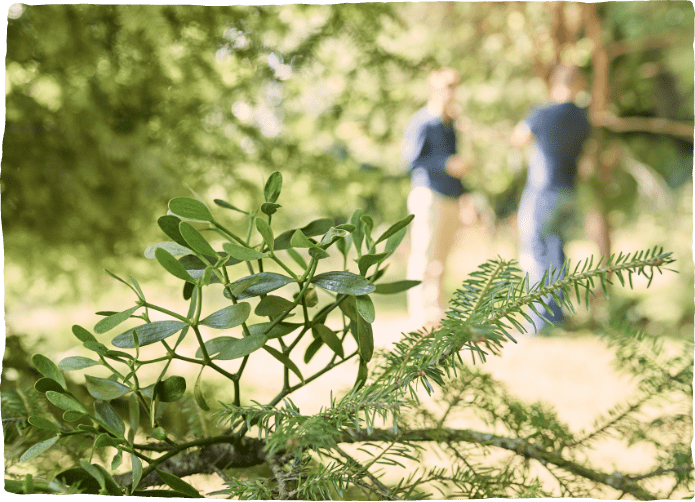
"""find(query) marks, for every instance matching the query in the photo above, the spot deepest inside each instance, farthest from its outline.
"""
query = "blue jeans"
(542, 214)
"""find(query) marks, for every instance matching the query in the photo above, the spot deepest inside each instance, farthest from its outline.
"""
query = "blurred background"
(112, 110)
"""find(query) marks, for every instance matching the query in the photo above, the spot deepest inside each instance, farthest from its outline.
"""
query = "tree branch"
(519, 446)
(248, 452)
(229, 452)
(652, 125)
(626, 46)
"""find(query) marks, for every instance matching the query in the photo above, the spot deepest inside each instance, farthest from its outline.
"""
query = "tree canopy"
(111, 109)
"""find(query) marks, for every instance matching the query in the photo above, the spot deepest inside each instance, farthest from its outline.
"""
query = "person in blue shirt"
(430, 154)
(560, 130)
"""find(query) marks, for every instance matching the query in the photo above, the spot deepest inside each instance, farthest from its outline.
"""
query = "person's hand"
(521, 135)
(457, 166)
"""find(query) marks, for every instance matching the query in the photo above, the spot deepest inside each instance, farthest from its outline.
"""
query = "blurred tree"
(112, 108)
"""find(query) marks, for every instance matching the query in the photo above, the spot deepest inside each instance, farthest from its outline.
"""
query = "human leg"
(432, 235)
(540, 247)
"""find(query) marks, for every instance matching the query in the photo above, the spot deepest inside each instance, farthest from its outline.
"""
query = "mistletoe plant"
(302, 455)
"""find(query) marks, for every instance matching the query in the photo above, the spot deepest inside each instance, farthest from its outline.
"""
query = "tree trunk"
(598, 226)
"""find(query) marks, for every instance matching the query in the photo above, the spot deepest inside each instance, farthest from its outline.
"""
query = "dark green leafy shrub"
(304, 456)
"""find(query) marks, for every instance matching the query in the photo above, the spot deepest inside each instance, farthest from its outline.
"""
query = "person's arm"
(413, 145)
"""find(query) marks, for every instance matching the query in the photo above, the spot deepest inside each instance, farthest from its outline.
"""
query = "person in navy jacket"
(430, 154)
(560, 130)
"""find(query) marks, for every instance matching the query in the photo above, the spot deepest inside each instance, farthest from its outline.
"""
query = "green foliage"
(307, 455)
(124, 104)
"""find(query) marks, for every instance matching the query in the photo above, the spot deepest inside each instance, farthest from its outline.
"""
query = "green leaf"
(97, 347)
(241, 347)
(198, 392)
(318, 253)
(104, 389)
(317, 227)
(266, 232)
(159, 434)
(136, 467)
(362, 375)
(365, 339)
(148, 334)
(112, 488)
(105, 440)
(311, 298)
(286, 361)
(203, 275)
(241, 253)
(228, 317)
(178, 484)
(83, 482)
(365, 307)
(76, 363)
(195, 239)
(273, 186)
(117, 278)
(106, 313)
(358, 234)
(191, 209)
(334, 234)
(259, 284)
(367, 260)
(227, 205)
(312, 349)
(174, 248)
(38, 449)
(48, 368)
(269, 208)
(348, 227)
(138, 290)
(64, 402)
(240, 286)
(299, 240)
(280, 329)
(273, 305)
(171, 389)
(117, 460)
(329, 338)
(133, 414)
(110, 322)
(345, 283)
(172, 265)
(188, 288)
(215, 345)
(110, 419)
(159, 493)
(349, 308)
(170, 226)
(395, 240)
(368, 225)
(295, 256)
(82, 334)
(43, 385)
(395, 287)
(343, 245)
(73, 416)
(43, 423)
(395, 228)
(94, 472)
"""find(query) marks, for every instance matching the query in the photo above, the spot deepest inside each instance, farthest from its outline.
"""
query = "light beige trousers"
(432, 236)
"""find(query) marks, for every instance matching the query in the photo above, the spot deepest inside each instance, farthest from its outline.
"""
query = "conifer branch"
(519, 446)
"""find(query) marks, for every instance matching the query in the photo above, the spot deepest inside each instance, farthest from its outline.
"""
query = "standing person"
(560, 130)
(429, 152)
